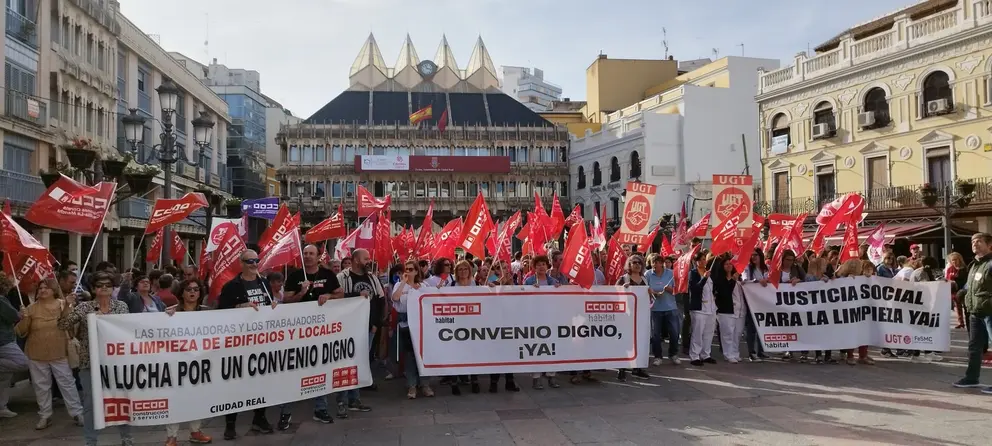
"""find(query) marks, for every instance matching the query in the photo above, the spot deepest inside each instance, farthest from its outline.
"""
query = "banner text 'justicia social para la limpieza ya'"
(151, 368)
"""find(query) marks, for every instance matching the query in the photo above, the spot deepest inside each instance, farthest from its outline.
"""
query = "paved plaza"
(894, 402)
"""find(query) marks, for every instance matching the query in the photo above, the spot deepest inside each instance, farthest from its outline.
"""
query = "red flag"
(645, 247)
(278, 230)
(383, 251)
(425, 240)
(155, 250)
(666, 247)
(681, 270)
(203, 269)
(325, 257)
(616, 260)
(286, 251)
(557, 218)
(225, 259)
(447, 239)
(699, 229)
(478, 226)
(574, 216)
(178, 248)
(442, 122)
(546, 225)
(331, 228)
(72, 207)
(850, 249)
(504, 250)
(26, 270)
(577, 257)
(491, 240)
(780, 230)
(842, 210)
(169, 211)
(537, 237)
(368, 203)
(742, 256)
(726, 233)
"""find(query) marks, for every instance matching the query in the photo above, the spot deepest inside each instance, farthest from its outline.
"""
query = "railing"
(21, 188)
(850, 52)
(22, 28)
(983, 10)
(791, 206)
(21, 106)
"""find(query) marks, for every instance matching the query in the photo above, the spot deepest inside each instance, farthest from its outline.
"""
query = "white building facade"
(677, 140)
(527, 85)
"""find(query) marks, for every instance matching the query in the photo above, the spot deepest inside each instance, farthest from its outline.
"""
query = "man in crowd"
(556, 273)
(246, 290)
(310, 284)
(358, 280)
(165, 290)
(978, 301)
(665, 317)
(12, 359)
(189, 273)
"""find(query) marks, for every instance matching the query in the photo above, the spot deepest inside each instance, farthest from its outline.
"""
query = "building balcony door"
(781, 191)
(939, 166)
(826, 185)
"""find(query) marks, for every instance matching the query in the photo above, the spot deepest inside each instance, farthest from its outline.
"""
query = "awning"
(900, 230)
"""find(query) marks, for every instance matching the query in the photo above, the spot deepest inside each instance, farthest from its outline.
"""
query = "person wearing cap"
(916, 252)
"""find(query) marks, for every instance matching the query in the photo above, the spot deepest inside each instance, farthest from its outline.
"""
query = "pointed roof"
(368, 56)
(480, 59)
(408, 56)
(445, 57)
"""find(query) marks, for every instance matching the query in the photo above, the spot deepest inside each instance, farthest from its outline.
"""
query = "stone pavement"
(894, 402)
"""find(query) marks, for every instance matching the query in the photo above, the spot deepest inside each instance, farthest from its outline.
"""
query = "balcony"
(868, 50)
(26, 108)
(22, 28)
(20, 188)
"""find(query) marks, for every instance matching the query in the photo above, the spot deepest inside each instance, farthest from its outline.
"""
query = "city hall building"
(489, 142)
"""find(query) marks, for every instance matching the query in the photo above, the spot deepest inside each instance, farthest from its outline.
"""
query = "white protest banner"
(851, 312)
(513, 329)
(151, 369)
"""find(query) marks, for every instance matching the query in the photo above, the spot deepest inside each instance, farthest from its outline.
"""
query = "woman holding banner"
(74, 318)
(190, 300)
(463, 277)
(542, 264)
(634, 277)
(756, 271)
(816, 270)
(411, 281)
(852, 268)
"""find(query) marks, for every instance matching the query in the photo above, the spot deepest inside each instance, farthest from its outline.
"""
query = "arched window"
(878, 106)
(597, 174)
(937, 86)
(614, 169)
(823, 113)
(635, 165)
(781, 137)
(581, 183)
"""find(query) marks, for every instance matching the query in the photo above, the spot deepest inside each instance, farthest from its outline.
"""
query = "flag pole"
(300, 245)
(96, 238)
(17, 281)
(136, 250)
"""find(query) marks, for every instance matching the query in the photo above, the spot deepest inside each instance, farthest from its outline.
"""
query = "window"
(826, 185)
(781, 137)
(89, 48)
(877, 104)
(597, 175)
(320, 154)
(100, 119)
(823, 113)
(294, 153)
(635, 165)
(89, 117)
(421, 189)
(20, 79)
(141, 80)
(936, 86)
(781, 191)
(101, 59)
(307, 154)
(445, 189)
(563, 189)
(939, 166)
(78, 40)
(581, 182)
(582, 210)
(66, 36)
(614, 169)
(615, 204)
(595, 209)
(877, 173)
(336, 189)
(16, 158)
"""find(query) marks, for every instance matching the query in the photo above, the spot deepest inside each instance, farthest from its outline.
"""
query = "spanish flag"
(422, 114)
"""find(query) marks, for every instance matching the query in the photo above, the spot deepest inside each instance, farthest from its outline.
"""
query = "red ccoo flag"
(478, 226)
(169, 211)
(155, 250)
(72, 207)
(577, 263)
(285, 252)
(331, 228)
(178, 248)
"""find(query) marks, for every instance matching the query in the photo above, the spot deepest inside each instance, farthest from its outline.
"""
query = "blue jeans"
(409, 358)
(978, 339)
(319, 404)
(755, 346)
(347, 396)
(90, 435)
(665, 322)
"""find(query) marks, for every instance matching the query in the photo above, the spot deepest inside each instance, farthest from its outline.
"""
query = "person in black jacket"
(357, 280)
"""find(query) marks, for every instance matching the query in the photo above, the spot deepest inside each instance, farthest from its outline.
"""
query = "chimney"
(671, 57)
(215, 61)
(566, 100)
(602, 56)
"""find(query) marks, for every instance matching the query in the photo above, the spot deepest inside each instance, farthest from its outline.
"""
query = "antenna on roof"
(742, 48)
(206, 38)
(716, 54)
(664, 40)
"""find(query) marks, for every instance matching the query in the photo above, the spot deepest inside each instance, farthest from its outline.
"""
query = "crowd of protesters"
(39, 323)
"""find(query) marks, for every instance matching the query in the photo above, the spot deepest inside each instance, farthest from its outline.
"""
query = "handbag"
(72, 347)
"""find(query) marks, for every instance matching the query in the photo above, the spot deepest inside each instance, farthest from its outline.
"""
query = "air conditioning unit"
(938, 107)
(821, 131)
(866, 119)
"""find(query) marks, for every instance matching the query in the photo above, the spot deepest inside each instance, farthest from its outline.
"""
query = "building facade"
(493, 144)
(73, 69)
(687, 129)
(882, 109)
(529, 87)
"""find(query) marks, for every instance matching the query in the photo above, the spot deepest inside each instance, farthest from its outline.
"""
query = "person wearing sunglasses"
(246, 290)
(441, 276)
(190, 299)
(633, 277)
(74, 319)
(411, 280)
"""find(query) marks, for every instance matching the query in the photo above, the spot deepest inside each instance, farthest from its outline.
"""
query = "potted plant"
(965, 187)
(114, 165)
(139, 176)
(233, 205)
(52, 174)
(80, 153)
(929, 194)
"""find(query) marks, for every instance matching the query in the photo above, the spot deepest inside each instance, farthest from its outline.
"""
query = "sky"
(303, 49)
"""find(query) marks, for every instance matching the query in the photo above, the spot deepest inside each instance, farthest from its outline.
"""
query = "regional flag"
(421, 115)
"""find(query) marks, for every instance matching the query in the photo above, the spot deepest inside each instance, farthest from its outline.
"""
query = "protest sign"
(150, 369)
(851, 312)
(513, 329)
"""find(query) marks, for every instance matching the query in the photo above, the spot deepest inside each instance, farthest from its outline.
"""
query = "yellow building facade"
(881, 110)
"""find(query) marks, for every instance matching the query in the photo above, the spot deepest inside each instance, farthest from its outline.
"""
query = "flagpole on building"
(96, 239)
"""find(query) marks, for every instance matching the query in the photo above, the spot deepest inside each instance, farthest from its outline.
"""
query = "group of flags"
(426, 113)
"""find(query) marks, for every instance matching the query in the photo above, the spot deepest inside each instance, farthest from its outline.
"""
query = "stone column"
(76, 248)
(101, 248)
(985, 224)
(44, 236)
(129, 251)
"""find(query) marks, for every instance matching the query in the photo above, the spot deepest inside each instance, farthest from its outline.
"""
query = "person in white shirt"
(906, 272)
(441, 276)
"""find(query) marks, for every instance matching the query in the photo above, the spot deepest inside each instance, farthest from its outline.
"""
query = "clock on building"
(427, 68)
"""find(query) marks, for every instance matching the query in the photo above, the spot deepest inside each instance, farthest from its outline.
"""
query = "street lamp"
(166, 151)
(947, 204)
